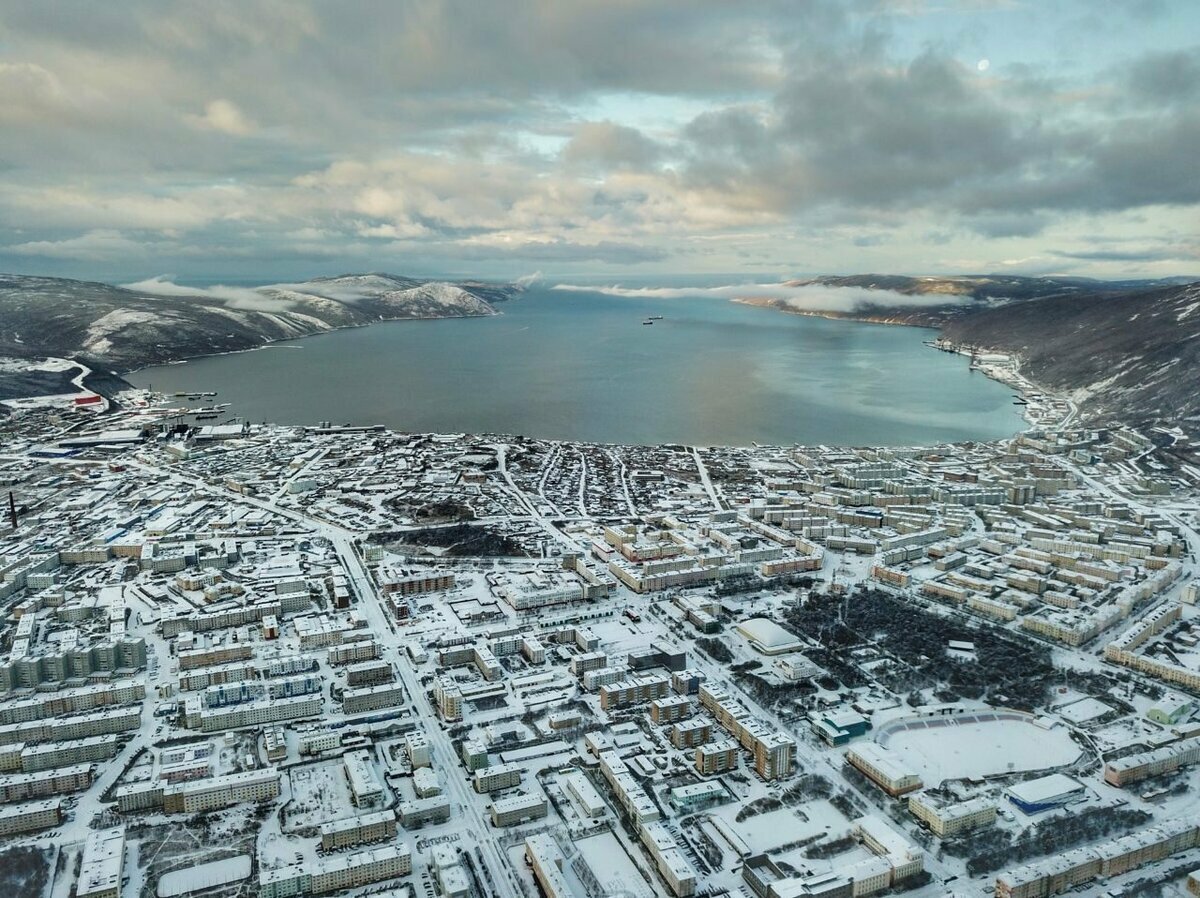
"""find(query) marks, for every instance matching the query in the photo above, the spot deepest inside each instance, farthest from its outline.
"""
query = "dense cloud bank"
(261, 139)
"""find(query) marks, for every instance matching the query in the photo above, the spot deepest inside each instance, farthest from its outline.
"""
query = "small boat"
(647, 322)
(654, 318)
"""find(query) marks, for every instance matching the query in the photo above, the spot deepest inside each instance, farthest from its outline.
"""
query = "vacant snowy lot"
(320, 795)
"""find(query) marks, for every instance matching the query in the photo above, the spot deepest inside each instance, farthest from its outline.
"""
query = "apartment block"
(517, 809)
(198, 796)
(883, 768)
(716, 757)
(360, 830)
(500, 776)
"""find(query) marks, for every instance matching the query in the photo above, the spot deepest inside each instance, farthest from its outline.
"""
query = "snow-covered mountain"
(1132, 356)
(157, 321)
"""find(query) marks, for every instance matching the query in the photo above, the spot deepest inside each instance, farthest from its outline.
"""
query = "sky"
(281, 139)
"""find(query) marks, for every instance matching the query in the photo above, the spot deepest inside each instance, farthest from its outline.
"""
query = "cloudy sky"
(281, 139)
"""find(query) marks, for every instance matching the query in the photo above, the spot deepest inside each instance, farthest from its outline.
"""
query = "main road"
(502, 881)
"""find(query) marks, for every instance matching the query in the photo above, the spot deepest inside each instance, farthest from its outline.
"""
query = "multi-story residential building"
(670, 709)
(1132, 768)
(773, 755)
(670, 861)
(198, 796)
(1065, 871)
(517, 809)
(584, 794)
(691, 733)
(317, 742)
(772, 750)
(416, 813)
(58, 754)
(59, 781)
(30, 817)
(947, 819)
(333, 874)
(547, 861)
(500, 776)
(883, 768)
(360, 830)
(352, 652)
(418, 584)
(581, 664)
(365, 788)
(366, 673)
(474, 754)
(257, 713)
(191, 659)
(362, 699)
(635, 690)
(449, 699)
(71, 701)
(716, 757)
(632, 797)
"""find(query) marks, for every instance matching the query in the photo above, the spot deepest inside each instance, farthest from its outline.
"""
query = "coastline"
(270, 342)
(1040, 407)
(897, 320)
(1039, 403)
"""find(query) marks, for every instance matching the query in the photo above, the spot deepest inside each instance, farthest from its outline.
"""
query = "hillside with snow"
(157, 321)
(1132, 356)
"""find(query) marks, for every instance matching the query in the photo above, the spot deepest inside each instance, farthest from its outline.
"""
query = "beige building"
(517, 809)
(197, 796)
(949, 819)
(716, 757)
(359, 830)
(30, 817)
(883, 768)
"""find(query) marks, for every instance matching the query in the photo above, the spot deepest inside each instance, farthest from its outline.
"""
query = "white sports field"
(977, 745)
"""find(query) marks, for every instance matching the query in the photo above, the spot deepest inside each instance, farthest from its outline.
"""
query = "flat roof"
(767, 636)
(103, 858)
(1044, 788)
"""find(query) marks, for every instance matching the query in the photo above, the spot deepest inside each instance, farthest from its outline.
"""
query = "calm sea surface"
(583, 366)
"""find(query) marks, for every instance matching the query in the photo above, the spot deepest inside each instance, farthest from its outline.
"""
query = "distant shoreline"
(1027, 390)
(268, 343)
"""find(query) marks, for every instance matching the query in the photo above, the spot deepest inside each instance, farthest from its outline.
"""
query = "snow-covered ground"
(949, 749)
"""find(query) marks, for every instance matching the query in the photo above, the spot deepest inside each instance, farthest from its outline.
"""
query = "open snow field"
(611, 866)
(204, 876)
(943, 748)
(816, 820)
(320, 795)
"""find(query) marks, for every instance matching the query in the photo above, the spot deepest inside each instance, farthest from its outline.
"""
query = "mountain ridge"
(1133, 356)
(126, 327)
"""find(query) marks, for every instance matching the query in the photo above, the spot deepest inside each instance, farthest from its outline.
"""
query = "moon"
(983, 65)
